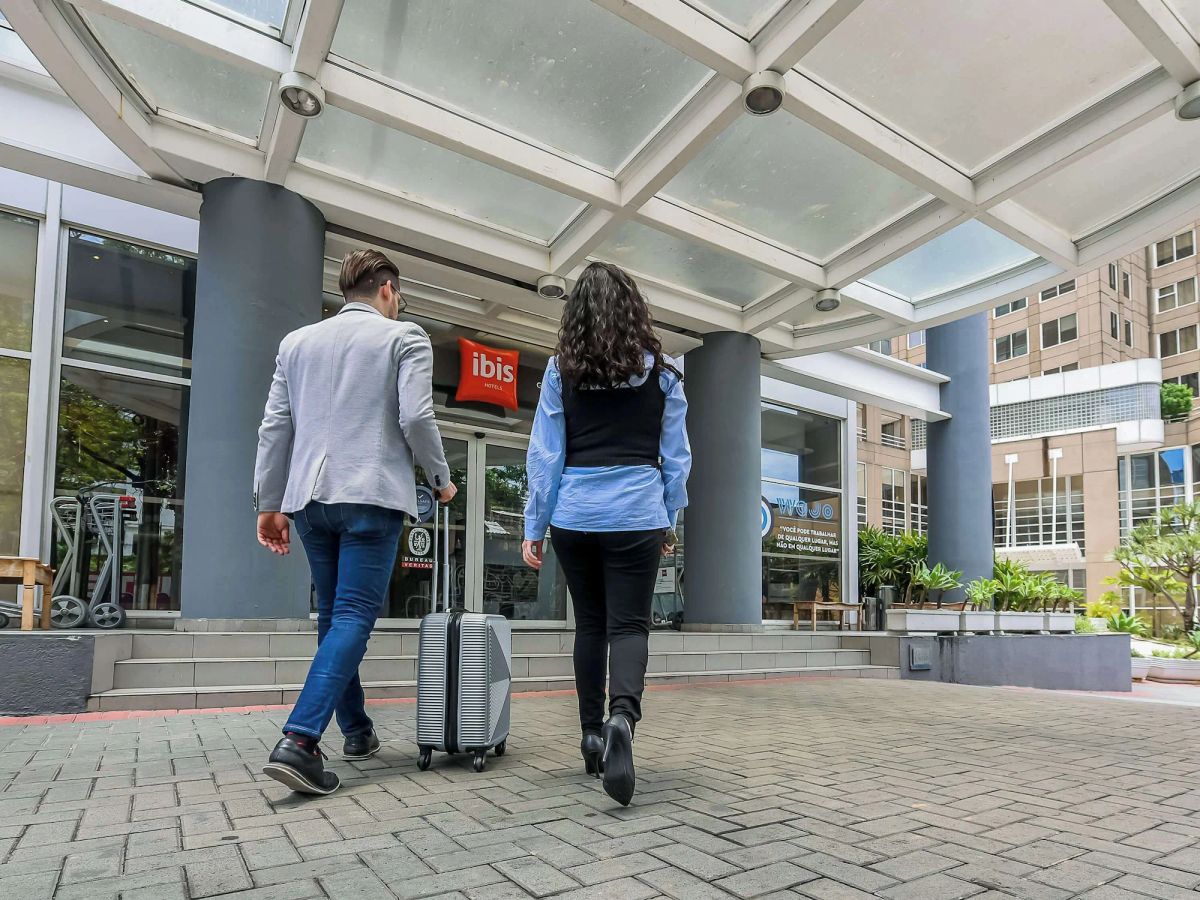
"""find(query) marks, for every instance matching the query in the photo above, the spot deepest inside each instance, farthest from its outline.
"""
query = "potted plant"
(1061, 620)
(1179, 664)
(1098, 611)
(1017, 603)
(927, 588)
(979, 614)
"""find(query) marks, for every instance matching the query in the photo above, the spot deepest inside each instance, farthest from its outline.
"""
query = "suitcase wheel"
(501, 747)
(480, 760)
(424, 759)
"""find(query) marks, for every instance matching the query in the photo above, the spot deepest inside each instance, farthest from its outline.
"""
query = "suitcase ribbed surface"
(431, 681)
(474, 703)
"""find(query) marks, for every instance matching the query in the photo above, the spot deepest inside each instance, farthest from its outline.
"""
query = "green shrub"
(1083, 625)
(1175, 400)
(1128, 624)
(1107, 605)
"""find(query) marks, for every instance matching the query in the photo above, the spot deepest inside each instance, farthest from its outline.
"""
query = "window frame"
(1057, 290)
(1129, 333)
(1112, 275)
(1173, 287)
(1010, 307)
(1175, 333)
(1126, 284)
(920, 342)
(1174, 240)
(1057, 323)
(1009, 337)
(1114, 325)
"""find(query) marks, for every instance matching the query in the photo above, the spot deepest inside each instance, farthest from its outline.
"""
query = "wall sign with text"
(806, 528)
(487, 374)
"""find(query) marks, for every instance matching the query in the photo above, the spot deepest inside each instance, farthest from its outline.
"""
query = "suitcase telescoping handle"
(443, 600)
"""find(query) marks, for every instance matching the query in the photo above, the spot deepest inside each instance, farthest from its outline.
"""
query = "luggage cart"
(109, 513)
(66, 609)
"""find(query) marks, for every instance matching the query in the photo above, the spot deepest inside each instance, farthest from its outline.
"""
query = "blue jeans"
(351, 549)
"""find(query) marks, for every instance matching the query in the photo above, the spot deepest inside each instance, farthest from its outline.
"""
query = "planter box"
(1061, 622)
(922, 620)
(980, 620)
(1099, 625)
(1139, 668)
(1021, 621)
(1183, 670)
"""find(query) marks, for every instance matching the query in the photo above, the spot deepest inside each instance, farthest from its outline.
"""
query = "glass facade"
(18, 256)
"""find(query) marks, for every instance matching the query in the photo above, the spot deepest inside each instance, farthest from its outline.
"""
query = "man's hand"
(273, 532)
(533, 553)
(446, 494)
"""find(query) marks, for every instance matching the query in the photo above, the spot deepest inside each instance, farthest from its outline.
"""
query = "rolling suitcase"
(464, 675)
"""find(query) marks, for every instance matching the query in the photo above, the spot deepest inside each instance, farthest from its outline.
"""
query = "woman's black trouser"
(611, 577)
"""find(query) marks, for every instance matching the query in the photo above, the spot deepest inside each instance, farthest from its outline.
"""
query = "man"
(349, 414)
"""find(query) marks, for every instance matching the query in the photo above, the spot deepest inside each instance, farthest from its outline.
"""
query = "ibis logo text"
(487, 374)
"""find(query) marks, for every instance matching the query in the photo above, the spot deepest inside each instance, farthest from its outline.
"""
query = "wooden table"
(28, 573)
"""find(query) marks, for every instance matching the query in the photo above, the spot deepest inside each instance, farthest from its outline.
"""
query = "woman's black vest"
(614, 426)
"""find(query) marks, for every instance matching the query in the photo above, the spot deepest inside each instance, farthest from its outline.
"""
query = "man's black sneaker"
(299, 765)
(360, 746)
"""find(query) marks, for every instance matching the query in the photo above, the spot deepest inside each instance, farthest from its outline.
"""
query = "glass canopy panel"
(977, 79)
(967, 253)
(394, 161)
(671, 260)
(1187, 12)
(268, 12)
(1145, 163)
(574, 77)
(176, 79)
(13, 49)
(748, 16)
(793, 184)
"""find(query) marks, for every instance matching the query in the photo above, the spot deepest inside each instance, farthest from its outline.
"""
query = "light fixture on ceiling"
(828, 300)
(1187, 102)
(762, 93)
(301, 94)
(552, 287)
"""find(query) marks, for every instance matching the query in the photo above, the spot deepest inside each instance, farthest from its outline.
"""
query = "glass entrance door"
(510, 587)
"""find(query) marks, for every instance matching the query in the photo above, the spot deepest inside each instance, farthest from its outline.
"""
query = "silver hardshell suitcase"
(464, 678)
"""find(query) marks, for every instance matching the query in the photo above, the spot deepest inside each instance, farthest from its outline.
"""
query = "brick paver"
(818, 788)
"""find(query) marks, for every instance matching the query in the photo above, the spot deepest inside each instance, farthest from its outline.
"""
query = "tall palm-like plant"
(938, 580)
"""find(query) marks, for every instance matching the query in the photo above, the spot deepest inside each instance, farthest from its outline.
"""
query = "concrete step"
(290, 644)
(208, 697)
(250, 671)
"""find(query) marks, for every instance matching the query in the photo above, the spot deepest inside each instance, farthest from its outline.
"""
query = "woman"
(608, 466)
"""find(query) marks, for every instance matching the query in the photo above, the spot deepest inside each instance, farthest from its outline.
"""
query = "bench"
(29, 573)
(812, 607)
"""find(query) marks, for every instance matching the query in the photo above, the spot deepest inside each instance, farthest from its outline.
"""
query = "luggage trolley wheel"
(480, 760)
(108, 615)
(501, 747)
(67, 611)
(3, 620)
(424, 759)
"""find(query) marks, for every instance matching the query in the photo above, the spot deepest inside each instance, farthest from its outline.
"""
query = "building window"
(1114, 326)
(1128, 333)
(891, 434)
(1192, 380)
(1069, 367)
(1179, 247)
(916, 339)
(1038, 513)
(1058, 290)
(801, 483)
(1010, 346)
(862, 495)
(860, 421)
(1060, 331)
(1173, 296)
(895, 505)
(884, 346)
(1181, 340)
(1150, 482)
(18, 256)
(1112, 275)
(1011, 306)
(1126, 282)
(918, 505)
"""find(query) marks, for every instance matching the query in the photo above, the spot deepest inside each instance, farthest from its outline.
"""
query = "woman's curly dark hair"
(607, 330)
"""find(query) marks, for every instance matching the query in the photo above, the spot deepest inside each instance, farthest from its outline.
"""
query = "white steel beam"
(581, 238)
(690, 32)
(372, 99)
(774, 309)
(798, 28)
(1018, 224)
(314, 37)
(1175, 211)
(47, 34)
(868, 378)
(1168, 41)
(919, 226)
(872, 300)
(197, 29)
(1095, 127)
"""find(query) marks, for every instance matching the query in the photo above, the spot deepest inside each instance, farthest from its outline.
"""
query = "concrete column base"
(720, 628)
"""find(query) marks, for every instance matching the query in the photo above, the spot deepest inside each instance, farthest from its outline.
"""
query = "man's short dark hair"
(364, 272)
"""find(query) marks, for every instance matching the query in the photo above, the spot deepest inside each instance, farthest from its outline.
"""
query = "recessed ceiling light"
(828, 300)
(95, 257)
(762, 93)
(552, 287)
(301, 94)
(1187, 102)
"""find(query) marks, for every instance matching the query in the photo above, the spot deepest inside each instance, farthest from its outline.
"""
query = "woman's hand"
(532, 553)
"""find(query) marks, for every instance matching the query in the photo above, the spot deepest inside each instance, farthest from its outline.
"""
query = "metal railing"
(893, 440)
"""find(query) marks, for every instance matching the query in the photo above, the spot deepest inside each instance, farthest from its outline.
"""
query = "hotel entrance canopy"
(929, 157)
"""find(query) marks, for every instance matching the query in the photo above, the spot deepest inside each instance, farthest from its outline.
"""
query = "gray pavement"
(817, 788)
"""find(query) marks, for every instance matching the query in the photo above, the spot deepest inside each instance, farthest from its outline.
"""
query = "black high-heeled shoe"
(619, 777)
(591, 748)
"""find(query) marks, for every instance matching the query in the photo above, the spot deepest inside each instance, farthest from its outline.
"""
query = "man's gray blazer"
(349, 411)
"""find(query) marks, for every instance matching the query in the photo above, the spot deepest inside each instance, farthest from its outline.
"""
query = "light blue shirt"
(605, 498)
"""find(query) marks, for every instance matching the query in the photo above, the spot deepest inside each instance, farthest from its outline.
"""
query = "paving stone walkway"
(824, 788)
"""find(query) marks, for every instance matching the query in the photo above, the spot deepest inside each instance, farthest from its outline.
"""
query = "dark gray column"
(723, 552)
(960, 451)
(259, 277)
